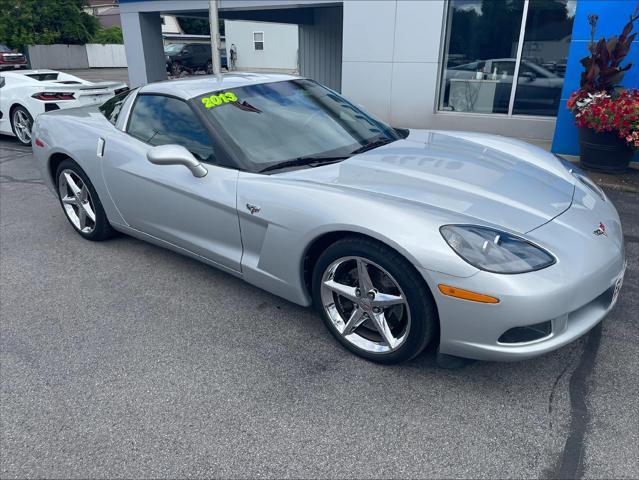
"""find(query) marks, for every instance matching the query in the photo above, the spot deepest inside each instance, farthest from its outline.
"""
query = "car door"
(187, 56)
(167, 201)
(203, 56)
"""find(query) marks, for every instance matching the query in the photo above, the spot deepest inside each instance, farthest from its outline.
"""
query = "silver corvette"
(483, 246)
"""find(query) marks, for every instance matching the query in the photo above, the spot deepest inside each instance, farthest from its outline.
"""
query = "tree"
(111, 35)
(194, 26)
(197, 26)
(37, 22)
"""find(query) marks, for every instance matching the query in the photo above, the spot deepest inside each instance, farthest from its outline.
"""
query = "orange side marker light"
(466, 294)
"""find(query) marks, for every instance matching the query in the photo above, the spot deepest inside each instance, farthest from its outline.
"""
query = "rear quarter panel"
(75, 133)
(17, 91)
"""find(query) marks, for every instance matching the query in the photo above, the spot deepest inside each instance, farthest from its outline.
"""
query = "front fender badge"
(253, 209)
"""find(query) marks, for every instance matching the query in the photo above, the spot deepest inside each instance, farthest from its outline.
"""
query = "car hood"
(492, 179)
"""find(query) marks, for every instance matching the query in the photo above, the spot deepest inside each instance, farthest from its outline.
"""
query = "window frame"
(255, 42)
(221, 155)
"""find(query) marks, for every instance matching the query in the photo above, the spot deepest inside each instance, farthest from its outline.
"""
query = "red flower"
(618, 112)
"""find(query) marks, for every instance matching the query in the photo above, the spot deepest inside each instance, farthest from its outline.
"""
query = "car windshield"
(4, 48)
(296, 120)
(173, 48)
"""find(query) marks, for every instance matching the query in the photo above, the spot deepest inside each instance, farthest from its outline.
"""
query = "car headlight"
(495, 251)
(580, 175)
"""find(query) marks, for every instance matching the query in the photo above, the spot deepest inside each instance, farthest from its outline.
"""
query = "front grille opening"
(529, 333)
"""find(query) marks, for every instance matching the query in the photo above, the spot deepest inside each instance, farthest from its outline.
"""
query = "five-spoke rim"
(76, 200)
(22, 125)
(365, 304)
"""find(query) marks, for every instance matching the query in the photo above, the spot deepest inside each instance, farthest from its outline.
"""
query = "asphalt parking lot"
(121, 359)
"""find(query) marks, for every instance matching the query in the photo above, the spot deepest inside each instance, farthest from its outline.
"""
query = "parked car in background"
(11, 59)
(538, 89)
(25, 95)
(191, 57)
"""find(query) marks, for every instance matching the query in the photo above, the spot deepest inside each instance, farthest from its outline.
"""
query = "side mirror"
(529, 76)
(176, 155)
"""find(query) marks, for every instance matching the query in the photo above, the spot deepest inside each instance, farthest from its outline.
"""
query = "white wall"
(390, 58)
(391, 62)
(280, 44)
(69, 57)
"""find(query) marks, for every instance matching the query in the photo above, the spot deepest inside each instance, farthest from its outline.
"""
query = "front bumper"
(13, 66)
(573, 295)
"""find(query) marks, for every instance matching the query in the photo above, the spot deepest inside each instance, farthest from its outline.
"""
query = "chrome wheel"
(22, 124)
(365, 304)
(76, 200)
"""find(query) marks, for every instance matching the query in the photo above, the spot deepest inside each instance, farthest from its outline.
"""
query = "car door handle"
(100, 151)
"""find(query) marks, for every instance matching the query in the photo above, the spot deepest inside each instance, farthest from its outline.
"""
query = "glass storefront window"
(482, 38)
(482, 56)
(544, 55)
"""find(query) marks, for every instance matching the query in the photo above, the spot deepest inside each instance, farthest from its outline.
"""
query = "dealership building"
(497, 66)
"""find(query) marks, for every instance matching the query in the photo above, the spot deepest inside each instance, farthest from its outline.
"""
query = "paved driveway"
(121, 359)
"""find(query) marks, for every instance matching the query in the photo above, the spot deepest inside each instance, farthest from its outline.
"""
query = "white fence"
(58, 56)
(63, 57)
(105, 56)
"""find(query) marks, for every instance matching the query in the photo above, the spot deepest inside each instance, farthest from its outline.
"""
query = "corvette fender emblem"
(253, 209)
(601, 230)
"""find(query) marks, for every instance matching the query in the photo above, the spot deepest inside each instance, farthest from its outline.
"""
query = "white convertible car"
(28, 93)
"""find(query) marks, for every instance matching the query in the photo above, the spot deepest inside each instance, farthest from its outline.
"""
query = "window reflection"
(544, 55)
(481, 55)
(481, 51)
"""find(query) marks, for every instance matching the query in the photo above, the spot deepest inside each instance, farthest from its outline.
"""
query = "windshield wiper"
(303, 161)
(380, 142)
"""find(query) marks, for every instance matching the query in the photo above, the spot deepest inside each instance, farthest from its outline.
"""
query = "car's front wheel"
(81, 203)
(373, 300)
(21, 124)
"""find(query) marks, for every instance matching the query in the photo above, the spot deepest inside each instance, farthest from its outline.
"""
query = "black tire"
(19, 109)
(102, 229)
(176, 69)
(423, 312)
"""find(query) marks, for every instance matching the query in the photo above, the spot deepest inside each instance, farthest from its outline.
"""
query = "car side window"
(508, 67)
(111, 108)
(161, 120)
